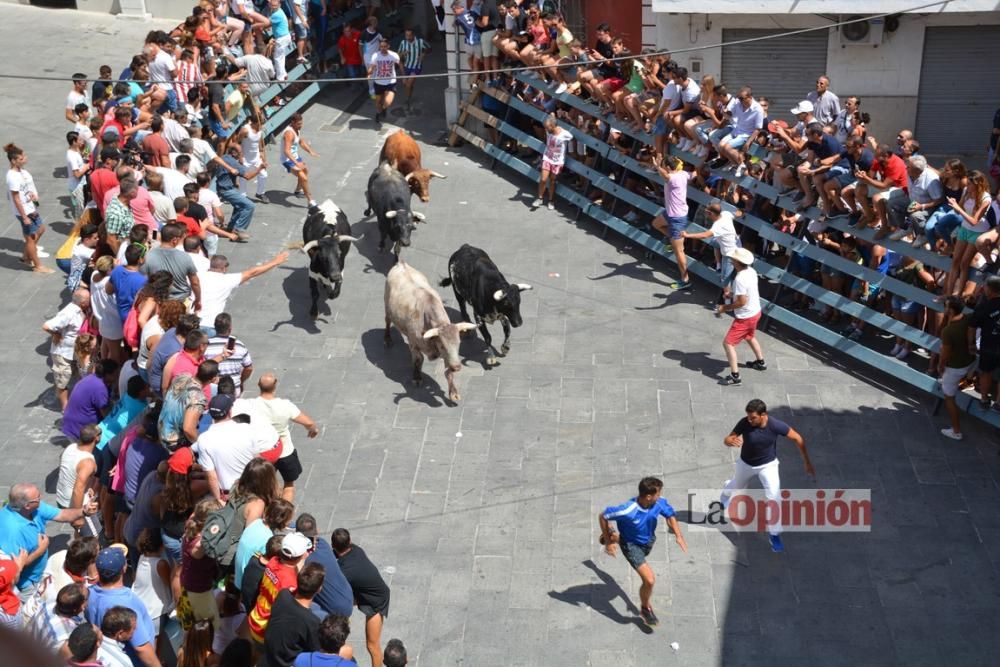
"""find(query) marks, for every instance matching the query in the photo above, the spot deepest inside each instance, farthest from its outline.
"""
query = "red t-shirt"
(101, 180)
(9, 601)
(350, 49)
(158, 149)
(894, 169)
(193, 226)
(277, 576)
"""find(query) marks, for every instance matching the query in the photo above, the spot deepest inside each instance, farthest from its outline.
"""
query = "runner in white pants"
(757, 437)
(254, 155)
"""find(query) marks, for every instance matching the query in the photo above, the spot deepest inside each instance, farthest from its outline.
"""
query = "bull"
(474, 278)
(402, 151)
(389, 197)
(416, 309)
(326, 239)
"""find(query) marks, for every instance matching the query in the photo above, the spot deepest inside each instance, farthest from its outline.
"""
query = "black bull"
(476, 279)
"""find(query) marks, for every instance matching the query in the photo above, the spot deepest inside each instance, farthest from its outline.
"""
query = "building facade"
(932, 70)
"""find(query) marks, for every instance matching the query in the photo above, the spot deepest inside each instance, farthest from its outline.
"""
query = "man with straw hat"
(745, 307)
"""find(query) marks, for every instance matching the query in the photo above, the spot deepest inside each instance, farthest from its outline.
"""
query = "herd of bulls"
(412, 304)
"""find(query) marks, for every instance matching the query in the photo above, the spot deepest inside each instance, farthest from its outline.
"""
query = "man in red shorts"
(746, 307)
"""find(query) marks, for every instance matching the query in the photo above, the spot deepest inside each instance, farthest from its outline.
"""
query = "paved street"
(482, 515)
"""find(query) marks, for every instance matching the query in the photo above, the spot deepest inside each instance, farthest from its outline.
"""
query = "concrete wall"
(887, 78)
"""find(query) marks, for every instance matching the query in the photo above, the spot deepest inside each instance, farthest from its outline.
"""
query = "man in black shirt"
(757, 437)
(986, 318)
(293, 628)
(371, 593)
(487, 24)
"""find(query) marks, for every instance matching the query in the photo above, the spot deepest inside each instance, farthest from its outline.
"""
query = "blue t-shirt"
(88, 398)
(635, 524)
(336, 596)
(253, 540)
(127, 285)
(760, 444)
(103, 599)
(279, 24)
(827, 147)
(317, 659)
(124, 412)
(167, 346)
(467, 22)
(142, 458)
(18, 533)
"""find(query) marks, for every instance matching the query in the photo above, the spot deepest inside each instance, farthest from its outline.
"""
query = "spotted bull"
(326, 239)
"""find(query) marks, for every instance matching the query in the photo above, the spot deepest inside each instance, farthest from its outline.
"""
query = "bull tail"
(446, 282)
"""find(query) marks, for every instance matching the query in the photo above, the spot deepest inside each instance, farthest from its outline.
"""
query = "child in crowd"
(556, 143)
(152, 578)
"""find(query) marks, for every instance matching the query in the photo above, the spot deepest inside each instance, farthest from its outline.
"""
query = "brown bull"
(403, 153)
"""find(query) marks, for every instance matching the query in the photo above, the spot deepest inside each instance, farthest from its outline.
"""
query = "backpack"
(222, 532)
(130, 328)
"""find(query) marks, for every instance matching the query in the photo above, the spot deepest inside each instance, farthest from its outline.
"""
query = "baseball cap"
(112, 132)
(110, 154)
(294, 545)
(219, 406)
(111, 560)
(181, 461)
(805, 106)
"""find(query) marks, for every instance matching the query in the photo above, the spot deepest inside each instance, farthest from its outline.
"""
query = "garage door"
(783, 69)
(958, 90)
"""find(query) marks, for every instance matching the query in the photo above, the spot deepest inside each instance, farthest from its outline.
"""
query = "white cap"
(294, 545)
(805, 106)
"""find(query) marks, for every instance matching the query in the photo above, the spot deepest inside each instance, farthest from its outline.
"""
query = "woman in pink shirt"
(673, 220)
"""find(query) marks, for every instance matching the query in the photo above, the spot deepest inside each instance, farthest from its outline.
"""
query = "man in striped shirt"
(412, 50)
(636, 520)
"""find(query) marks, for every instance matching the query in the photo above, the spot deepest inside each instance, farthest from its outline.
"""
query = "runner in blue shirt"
(636, 520)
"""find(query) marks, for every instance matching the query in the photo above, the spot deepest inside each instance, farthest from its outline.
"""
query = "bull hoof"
(491, 361)
(504, 350)
(387, 341)
(368, 212)
(314, 314)
(455, 397)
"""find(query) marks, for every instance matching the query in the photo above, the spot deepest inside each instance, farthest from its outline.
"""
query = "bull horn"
(431, 333)
(436, 174)
(498, 295)
(410, 176)
(464, 326)
(309, 246)
(350, 239)
(523, 287)
(390, 214)
(418, 216)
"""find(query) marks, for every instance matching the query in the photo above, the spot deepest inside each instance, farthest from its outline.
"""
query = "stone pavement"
(482, 515)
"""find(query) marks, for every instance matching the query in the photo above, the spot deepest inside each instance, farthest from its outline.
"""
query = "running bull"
(418, 312)
(389, 196)
(402, 151)
(326, 239)
(475, 278)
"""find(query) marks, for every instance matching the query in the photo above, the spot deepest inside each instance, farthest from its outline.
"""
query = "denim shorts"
(34, 223)
(636, 554)
(660, 127)
(677, 226)
(901, 305)
(735, 141)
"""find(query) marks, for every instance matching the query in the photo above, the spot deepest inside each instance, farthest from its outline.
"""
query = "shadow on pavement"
(600, 596)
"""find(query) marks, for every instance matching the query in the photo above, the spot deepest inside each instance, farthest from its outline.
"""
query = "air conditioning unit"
(861, 33)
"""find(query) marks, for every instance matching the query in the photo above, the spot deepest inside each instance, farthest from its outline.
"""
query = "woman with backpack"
(177, 500)
(199, 573)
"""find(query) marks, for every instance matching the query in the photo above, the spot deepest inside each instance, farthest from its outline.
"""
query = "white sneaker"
(949, 433)
(561, 89)
(740, 171)
(42, 254)
(899, 234)
(895, 350)
(551, 206)
(537, 203)
(684, 144)
(902, 354)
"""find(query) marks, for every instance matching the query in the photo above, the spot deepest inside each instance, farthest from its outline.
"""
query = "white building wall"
(886, 78)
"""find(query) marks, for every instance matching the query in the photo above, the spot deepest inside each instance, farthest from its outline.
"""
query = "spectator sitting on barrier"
(614, 80)
(839, 190)
(973, 207)
(537, 34)
(911, 207)
(944, 221)
(892, 176)
(825, 160)
(591, 77)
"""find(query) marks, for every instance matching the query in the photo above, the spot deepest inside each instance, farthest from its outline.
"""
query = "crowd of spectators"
(178, 480)
(841, 178)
